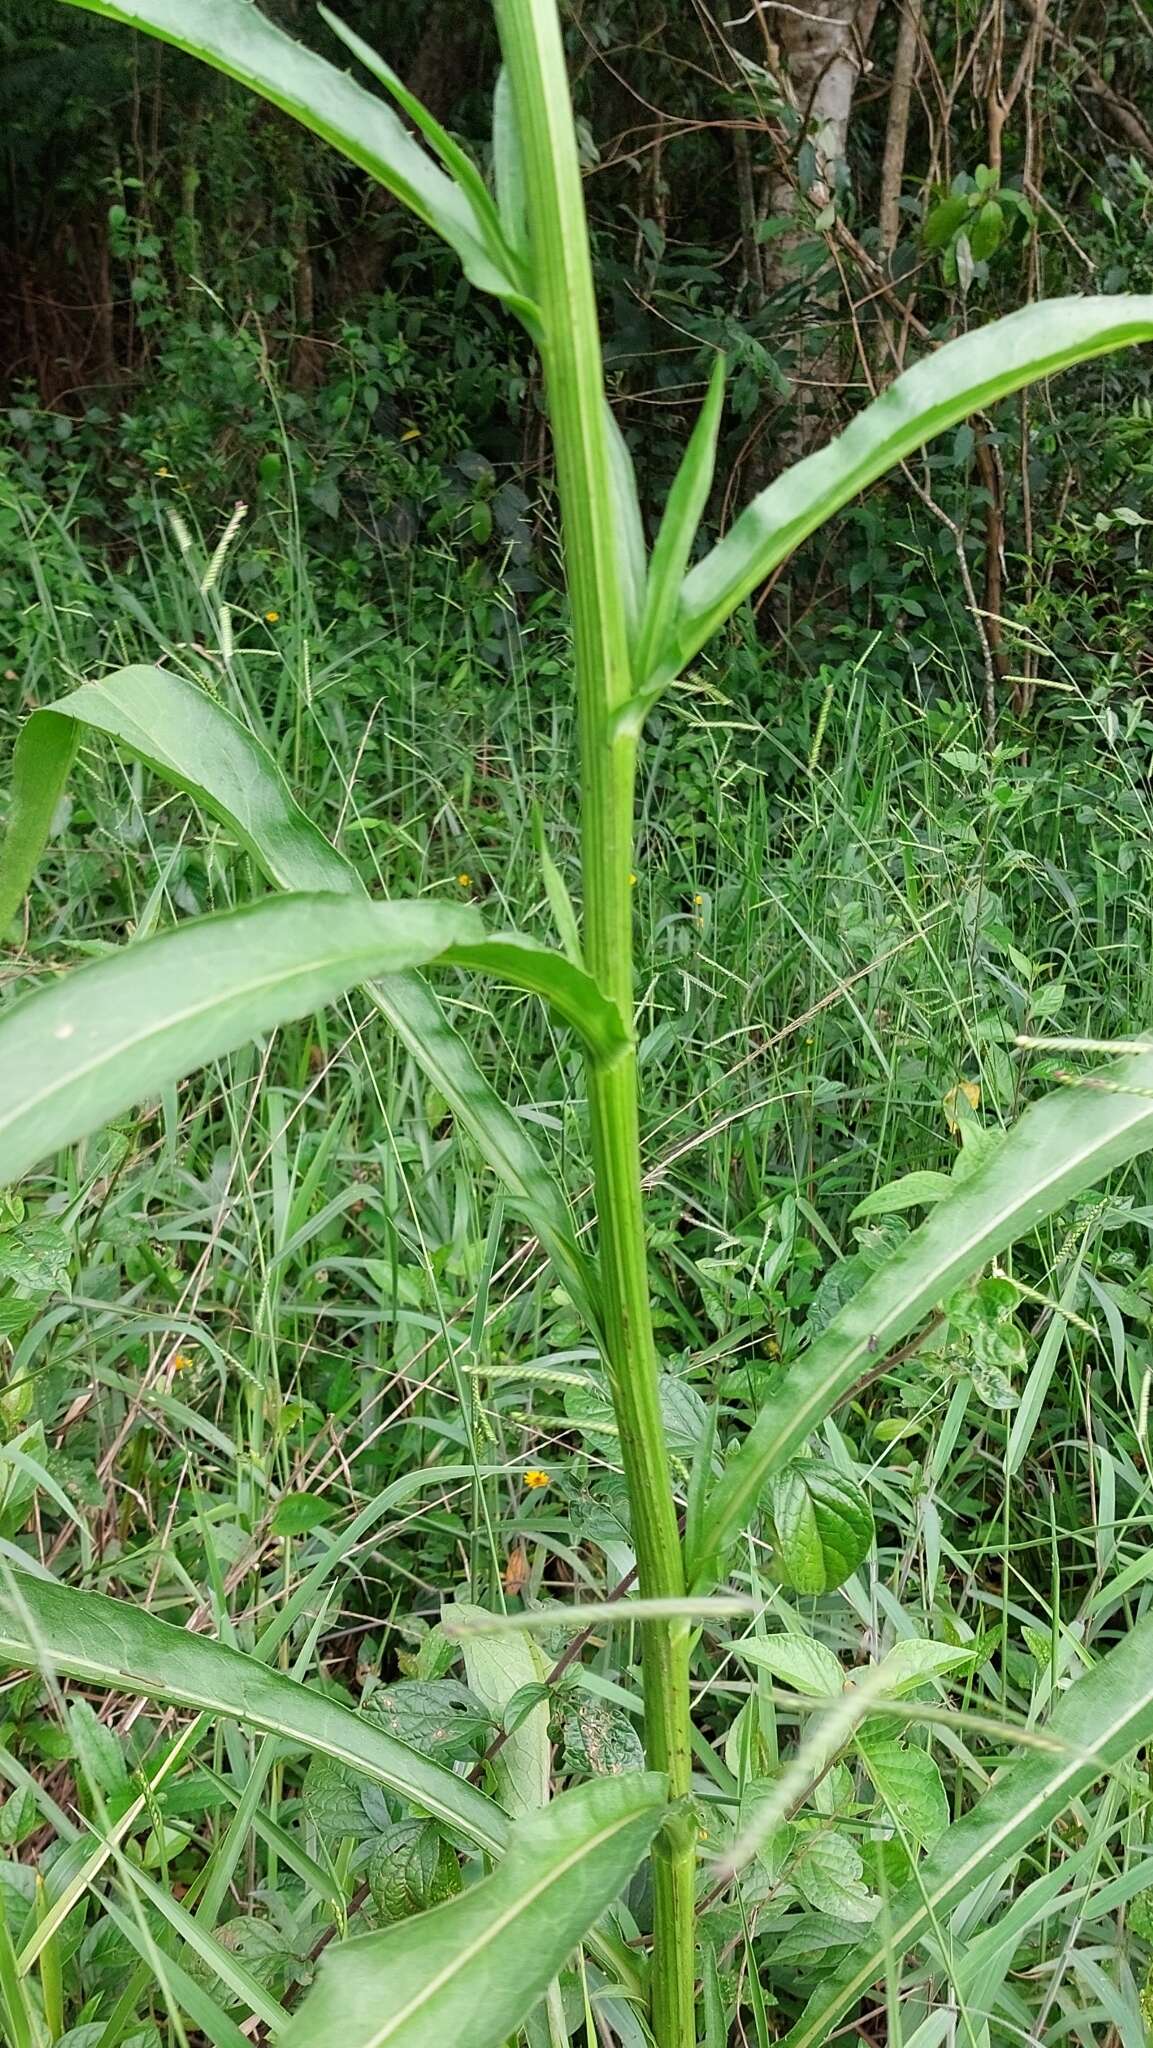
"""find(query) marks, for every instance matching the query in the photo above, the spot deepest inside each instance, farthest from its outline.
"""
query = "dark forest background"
(200, 299)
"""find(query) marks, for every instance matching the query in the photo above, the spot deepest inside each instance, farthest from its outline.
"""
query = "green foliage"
(469, 1971)
(291, 1284)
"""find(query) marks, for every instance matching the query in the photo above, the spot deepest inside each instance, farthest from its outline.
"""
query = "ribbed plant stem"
(570, 347)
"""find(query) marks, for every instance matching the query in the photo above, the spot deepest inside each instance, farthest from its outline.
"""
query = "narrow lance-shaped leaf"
(43, 755)
(626, 508)
(78, 1052)
(959, 379)
(678, 530)
(568, 989)
(469, 1972)
(508, 166)
(201, 749)
(457, 162)
(1063, 1144)
(237, 38)
(1101, 1719)
(498, 1668)
(112, 1644)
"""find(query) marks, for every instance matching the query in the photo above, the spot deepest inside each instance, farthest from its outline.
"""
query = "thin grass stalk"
(534, 52)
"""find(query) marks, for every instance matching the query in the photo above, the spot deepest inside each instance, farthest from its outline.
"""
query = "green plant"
(75, 1054)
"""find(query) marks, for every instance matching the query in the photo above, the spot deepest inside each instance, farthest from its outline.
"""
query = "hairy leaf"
(824, 1525)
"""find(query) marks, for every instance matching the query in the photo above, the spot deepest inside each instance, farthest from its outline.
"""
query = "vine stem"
(574, 379)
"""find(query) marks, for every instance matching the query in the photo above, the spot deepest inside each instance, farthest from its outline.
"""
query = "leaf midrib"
(464, 1956)
(29, 1104)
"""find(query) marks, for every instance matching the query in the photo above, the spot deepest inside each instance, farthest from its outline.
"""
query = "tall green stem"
(563, 289)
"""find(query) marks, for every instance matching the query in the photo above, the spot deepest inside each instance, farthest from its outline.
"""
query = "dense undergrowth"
(239, 1319)
(285, 1296)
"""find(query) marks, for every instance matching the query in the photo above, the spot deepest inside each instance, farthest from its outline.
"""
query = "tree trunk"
(816, 53)
(897, 126)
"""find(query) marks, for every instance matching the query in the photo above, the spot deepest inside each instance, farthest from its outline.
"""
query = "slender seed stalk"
(570, 346)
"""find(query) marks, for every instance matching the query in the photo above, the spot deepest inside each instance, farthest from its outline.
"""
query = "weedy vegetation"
(762, 1842)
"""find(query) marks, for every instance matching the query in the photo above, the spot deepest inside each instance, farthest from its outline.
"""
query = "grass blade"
(74, 1054)
(1101, 1719)
(110, 1643)
(1063, 1144)
(961, 378)
(469, 1971)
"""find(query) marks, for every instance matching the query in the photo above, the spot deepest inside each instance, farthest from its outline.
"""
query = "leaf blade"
(200, 748)
(114, 1644)
(469, 1971)
(41, 761)
(568, 989)
(75, 1054)
(236, 38)
(961, 378)
(682, 516)
(1062, 1144)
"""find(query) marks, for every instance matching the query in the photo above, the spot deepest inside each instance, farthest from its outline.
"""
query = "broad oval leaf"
(111, 1643)
(75, 1054)
(470, 1971)
(810, 1667)
(1097, 1723)
(1060, 1146)
(959, 379)
(237, 38)
(824, 1525)
(908, 1785)
(202, 749)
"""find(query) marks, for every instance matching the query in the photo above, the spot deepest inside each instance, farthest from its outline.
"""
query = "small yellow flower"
(272, 617)
(164, 470)
(535, 1479)
(182, 1362)
(632, 881)
(698, 899)
(464, 881)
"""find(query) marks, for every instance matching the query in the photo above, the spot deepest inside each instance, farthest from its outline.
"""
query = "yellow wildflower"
(464, 881)
(272, 617)
(535, 1479)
